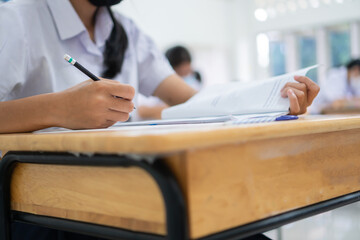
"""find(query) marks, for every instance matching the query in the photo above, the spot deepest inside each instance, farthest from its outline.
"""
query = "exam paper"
(175, 121)
(257, 97)
(159, 127)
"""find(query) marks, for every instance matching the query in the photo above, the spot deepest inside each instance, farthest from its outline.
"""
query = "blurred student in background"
(341, 90)
(180, 59)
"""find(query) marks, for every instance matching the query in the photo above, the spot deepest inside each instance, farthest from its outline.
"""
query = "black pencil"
(80, 67)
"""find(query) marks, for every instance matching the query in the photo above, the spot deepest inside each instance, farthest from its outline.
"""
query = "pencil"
(80, 67)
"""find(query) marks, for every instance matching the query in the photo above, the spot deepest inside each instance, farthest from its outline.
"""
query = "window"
(277, 58)
(271, 54)
(339, 41)
(307, 53)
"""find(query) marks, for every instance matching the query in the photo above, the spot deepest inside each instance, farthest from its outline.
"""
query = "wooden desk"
(230, 176)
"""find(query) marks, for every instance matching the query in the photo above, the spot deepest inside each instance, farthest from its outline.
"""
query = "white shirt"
(336, 87)
(35, 35)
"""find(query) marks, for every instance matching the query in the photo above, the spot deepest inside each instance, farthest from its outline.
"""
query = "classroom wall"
(201, 25)
(171, 21)
(222, 33)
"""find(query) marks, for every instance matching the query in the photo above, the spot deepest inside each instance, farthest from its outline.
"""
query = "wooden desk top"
(167, 139)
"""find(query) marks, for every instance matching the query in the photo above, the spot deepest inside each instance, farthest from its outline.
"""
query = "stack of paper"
(234, 99)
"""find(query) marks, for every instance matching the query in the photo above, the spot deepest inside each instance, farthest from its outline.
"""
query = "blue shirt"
(35, 35)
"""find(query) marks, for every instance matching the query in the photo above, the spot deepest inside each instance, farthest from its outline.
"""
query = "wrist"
(52, 115)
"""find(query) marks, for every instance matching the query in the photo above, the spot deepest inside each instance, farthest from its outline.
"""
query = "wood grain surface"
(113, 196)
(167, 139)
(231, 185)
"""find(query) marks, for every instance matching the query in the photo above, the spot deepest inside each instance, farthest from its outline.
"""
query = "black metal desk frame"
(176, 218)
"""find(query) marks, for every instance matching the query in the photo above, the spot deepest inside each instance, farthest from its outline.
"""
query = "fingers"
(117, 109)
(294, 103)
(109, 123)
(115, 88)
(299, 86)
(105, 124)
(312, 88)
(301, 94)
(120, 105)
(114, 109)
(108, 119)
(114, 116)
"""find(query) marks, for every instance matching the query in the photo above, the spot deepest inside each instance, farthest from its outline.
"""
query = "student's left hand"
(300, 94)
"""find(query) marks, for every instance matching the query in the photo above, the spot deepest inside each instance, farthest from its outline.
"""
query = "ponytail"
(115, 48)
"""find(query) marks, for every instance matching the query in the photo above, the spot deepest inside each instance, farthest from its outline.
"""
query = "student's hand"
(91, 104)
(300, 94)
(345, 103)
(341, 103)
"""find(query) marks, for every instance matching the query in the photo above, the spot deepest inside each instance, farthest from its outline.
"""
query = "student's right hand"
(91, 104)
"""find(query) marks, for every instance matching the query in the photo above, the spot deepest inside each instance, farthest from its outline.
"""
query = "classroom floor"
(340, 224)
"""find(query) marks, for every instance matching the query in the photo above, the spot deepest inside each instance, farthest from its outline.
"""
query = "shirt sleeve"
(153, 67)
(12, 51)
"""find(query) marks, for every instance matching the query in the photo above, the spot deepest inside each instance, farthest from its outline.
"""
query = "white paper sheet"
(175, 121)
(236, 99)
(176, 125)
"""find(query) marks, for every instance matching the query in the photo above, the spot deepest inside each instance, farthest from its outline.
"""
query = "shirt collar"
(66, 19)
(103, 27)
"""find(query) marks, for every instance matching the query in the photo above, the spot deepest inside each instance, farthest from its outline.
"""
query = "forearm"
(146, 112)
(87, 105)
(28, 114)
(173, 90)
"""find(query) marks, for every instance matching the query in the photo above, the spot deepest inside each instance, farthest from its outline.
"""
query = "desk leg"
(6, 167)
(257, 237)
(176, 218)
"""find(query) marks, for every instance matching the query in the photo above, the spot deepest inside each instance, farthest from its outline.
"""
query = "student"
(180, 60)
(341, 88)
(38, 89)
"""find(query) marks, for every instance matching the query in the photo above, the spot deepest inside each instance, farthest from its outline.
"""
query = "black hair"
(115, 48)
(197, 76)
(178, 55)
(353, 63)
